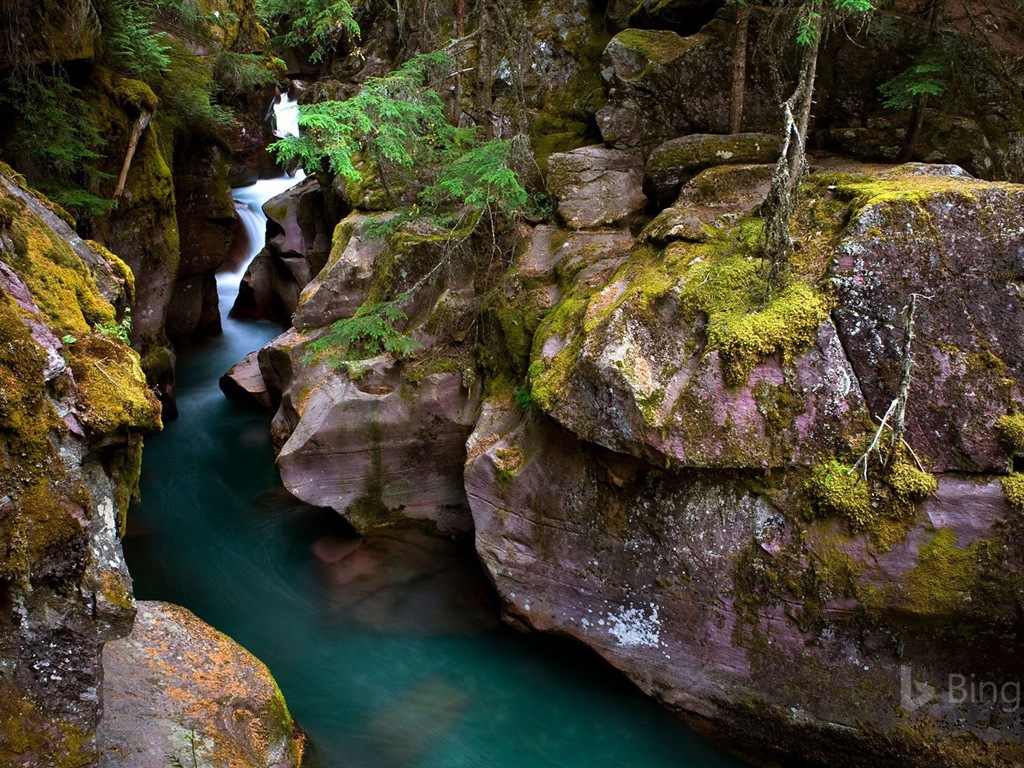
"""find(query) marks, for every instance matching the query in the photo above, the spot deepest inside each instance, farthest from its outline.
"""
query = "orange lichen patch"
(195, 683)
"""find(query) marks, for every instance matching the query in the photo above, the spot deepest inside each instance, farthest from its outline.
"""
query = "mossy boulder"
(676, 161)
(175, 685)
(928, 230)
(710, 202)
(660, 86)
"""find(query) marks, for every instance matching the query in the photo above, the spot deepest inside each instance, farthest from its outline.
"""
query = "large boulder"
(177, 689)
(660, 86)
(379, 450)
(958, 244)
(784, 636)
(596, 186)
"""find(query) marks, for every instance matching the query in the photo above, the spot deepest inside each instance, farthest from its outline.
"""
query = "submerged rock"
(177, 688)
(244, 382)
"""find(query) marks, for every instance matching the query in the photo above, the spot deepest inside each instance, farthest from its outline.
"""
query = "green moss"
(1013, 489)
(943, 578)
(507, 462)
(60, 284)
(779, 405)
(839, 490)
(28, 729)
(113, 388)
(1011, 433)
(909, 483)
(657, 46)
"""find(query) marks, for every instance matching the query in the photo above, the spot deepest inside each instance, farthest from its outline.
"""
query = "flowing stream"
(387, 649)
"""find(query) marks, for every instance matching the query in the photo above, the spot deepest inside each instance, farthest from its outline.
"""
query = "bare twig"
(874, 443)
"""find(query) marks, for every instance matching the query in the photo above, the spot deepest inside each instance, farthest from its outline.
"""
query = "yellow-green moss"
(943, 578)
(122, 271)
(30, 730)
(507, 462)
(113, 387)
(658, 46)
(909, 483)
(839, 490)
(1013, 489)
(1011, 432)
(60, 283)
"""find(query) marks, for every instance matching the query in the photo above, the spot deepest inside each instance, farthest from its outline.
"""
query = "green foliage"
(57, 132)
(482, 178)
(929, 75)
(397, 118)
(119, 330)
(399, 123)
(236, 73)
(132, 44)
(320, 24)
(68, 340)
(369, 332)
(524, 398)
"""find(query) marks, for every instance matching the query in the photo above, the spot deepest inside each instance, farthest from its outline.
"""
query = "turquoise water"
(388, 650)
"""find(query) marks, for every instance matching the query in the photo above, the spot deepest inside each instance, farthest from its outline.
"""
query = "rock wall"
(73, 407)
(663, 456)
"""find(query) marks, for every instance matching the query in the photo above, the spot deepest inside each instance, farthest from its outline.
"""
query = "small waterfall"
(249, 204)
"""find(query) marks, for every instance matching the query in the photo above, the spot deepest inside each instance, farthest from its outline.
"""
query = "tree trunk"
(484, 100)
(781, 200)
(141, 122)
(460, 34)
(739, 68)
(917, 114)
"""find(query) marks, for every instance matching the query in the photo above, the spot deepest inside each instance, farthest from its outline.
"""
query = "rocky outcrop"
(73, 407)
(379, 450)
(176, 688)
(297, 247)
(684, 506)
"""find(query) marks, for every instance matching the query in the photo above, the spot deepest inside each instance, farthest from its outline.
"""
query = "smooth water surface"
(388, 650)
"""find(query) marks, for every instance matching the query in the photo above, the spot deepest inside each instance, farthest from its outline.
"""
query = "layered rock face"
(73, 407)
(666, 507)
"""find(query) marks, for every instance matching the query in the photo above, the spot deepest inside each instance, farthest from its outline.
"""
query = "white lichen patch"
(634, 626)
